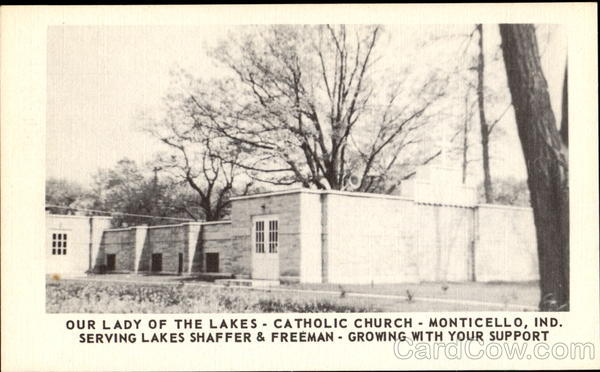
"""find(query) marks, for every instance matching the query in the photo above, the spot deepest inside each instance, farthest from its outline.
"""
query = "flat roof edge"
(75, 216)
(321, 192)
(503, 206)
(193, 223)
(120, 229)
(365, 195)
(215, 222)
(275, 193)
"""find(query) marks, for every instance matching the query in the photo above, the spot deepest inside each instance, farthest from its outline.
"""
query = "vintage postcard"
(300, 187)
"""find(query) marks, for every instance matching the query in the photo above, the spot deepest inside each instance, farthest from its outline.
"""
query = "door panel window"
(273, 236)
(260, 237)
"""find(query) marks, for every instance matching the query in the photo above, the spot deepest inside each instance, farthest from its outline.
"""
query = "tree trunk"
(465, 147)
(546, 159)
(485, 133)
(564, 121)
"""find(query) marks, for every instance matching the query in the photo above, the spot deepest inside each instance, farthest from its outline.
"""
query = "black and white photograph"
(299, 187)
(307, 168)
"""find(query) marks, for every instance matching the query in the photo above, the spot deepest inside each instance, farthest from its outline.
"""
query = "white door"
(265, 246)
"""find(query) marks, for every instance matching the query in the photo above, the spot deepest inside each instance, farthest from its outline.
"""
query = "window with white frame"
(266, 235)
(59, 244)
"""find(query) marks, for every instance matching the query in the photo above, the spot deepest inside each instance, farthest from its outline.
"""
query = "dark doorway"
(212, 262)
(111, 262)
(180, 267)
(156, 262)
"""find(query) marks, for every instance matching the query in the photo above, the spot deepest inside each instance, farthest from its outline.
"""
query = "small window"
(59, 241)
(156, 264)
(111, 262)
(212, 262)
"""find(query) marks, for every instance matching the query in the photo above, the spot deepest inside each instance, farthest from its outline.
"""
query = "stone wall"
(170, 242)
(506, 247)
(216, 238)
(121, 243)
(135, 246)
(368, 239)
(445, 242)
(343, 237)
(311, 238)
(287, 208)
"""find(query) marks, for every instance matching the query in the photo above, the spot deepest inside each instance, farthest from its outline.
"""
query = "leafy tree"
(64, 193)
(126, 189)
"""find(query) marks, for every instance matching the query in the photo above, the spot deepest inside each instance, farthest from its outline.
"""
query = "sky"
(100, 78)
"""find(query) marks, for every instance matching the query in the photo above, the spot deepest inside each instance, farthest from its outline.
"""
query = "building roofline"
(120, 228)
(215, 222)
(365, 195)
(503, 206)
(275, 193)
(195, 223)
(75, 216)
(321, 192)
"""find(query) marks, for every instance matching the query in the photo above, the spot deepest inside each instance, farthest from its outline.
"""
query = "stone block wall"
(135, 246)
(368, 239)
(311, 238)
(170, 242)
(121, 243)
(343, 237)
(506, 247)
(445, 240)
(216, 238)
(379, 239)
(287, 208)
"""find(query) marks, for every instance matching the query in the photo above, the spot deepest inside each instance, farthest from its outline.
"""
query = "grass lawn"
(82, 296)
(159, 294)
(521, 293)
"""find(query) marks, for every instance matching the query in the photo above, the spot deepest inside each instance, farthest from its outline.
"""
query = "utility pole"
(155, 188)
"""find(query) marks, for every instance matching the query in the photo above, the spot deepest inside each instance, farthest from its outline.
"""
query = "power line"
(119, 213)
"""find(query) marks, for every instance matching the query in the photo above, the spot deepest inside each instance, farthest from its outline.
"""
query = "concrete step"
(247, 282)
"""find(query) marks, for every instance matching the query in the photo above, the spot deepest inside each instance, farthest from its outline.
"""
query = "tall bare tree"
(546, 157)
(465, 135)
(196, 159)
(485, 130)
(487, 100)
(307, 105)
